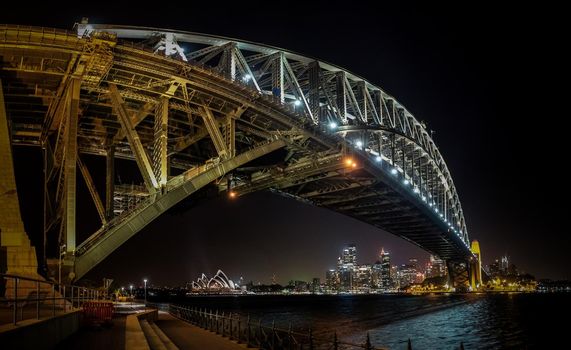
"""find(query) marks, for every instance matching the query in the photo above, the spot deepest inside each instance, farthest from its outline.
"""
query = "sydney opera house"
(220, 283)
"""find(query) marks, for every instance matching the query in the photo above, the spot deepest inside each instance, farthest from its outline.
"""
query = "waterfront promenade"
(162, 332)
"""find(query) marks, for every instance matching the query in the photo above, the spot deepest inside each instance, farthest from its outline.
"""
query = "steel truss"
(192, 118)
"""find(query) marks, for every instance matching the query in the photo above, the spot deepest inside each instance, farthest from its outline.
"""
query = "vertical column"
(231, 137)
(72, 102)
(341, 95)
(109, 181)
(278, 77)
(161, 139)
(230, 61)
(314, 83)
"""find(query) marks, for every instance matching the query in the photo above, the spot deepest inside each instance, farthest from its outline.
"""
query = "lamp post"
(145, 280)
(131, 293)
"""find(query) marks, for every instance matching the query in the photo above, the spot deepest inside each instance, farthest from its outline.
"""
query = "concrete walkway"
(188, 337)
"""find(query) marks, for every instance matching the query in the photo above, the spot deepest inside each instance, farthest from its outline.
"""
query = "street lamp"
(145, 280)
(131, 293)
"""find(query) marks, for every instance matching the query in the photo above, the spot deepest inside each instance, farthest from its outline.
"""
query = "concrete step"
(164, 338)
(153, 339)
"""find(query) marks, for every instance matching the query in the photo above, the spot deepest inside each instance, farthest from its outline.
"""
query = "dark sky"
(487, 79)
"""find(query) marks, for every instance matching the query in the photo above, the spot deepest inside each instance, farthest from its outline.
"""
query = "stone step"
(153, 339)
(164, 338)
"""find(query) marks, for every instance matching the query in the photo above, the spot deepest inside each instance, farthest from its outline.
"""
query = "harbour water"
(440, 321)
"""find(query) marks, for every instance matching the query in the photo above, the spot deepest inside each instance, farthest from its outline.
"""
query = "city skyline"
(440, 74)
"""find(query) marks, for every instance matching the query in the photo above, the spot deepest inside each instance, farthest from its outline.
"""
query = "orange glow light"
(349, 161)
(232, 194)
(354, 165)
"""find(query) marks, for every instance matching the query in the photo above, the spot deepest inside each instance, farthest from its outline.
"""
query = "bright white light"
(332, 125)
(247, 77)
(378, 158)
(424, 198)
(359, 143)
(416, 190)
(406, 182)
(145, 280)
(441, 215)
(430, 204)
(297, 102)
(436, 210)
(181, 49)
(394, 171)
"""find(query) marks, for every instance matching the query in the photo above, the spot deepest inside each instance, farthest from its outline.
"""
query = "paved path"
(107, 338)
(189, 337)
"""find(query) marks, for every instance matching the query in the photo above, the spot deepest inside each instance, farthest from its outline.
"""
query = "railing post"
(37, 300)
(72, 298)
(248, 331)
(289, 336)
(335, 342)
(223, 323)
(53, 300)
(15, 315)
(310, 339)
(239, 333)
(230, 319)
(368, 345)
(217, 327)
(273, 334)
(63, 306)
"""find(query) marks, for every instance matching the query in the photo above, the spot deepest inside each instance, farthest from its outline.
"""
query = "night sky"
(485, 79)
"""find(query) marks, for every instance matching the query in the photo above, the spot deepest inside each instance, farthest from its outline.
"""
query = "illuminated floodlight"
(232, 194)
(247, 77)
(378, 158)
(430, 204)
(394, 171)
(424, 198)
(332, 125)
(349, 161)
(441, 215)
(406, 182)
(297, 102)
(359, 143)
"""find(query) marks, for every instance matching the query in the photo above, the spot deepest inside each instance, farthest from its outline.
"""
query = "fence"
(42, 298)
(263, 336)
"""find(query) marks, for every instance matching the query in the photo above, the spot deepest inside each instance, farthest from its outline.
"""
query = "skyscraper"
(385, 269)
(349, 255)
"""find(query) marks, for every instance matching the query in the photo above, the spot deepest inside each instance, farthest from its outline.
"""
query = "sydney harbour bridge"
(190, 111)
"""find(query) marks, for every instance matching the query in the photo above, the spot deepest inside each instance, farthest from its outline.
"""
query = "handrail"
(254, 333)
(68, 297)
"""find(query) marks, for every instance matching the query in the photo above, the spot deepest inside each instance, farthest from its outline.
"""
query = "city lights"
(394, 171)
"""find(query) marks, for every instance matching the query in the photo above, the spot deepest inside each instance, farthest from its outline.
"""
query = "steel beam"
(136, 118)
(134, 141)
(103, 243)
(160, 160)
(70, 160)
(109, 181)
(92, 190)
(214, 132)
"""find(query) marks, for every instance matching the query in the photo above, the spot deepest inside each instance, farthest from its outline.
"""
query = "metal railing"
(258, 335)
(43, 298)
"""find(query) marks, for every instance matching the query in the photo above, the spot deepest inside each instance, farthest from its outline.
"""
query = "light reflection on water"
(502, 321)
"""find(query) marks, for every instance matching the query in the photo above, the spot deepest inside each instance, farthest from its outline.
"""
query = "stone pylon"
(20, 255)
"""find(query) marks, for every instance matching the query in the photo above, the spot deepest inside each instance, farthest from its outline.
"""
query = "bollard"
(409, 347)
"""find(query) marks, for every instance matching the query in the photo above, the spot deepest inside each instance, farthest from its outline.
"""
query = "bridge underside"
(243, 119)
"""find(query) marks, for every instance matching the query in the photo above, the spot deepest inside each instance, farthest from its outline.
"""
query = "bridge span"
(194, 110)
